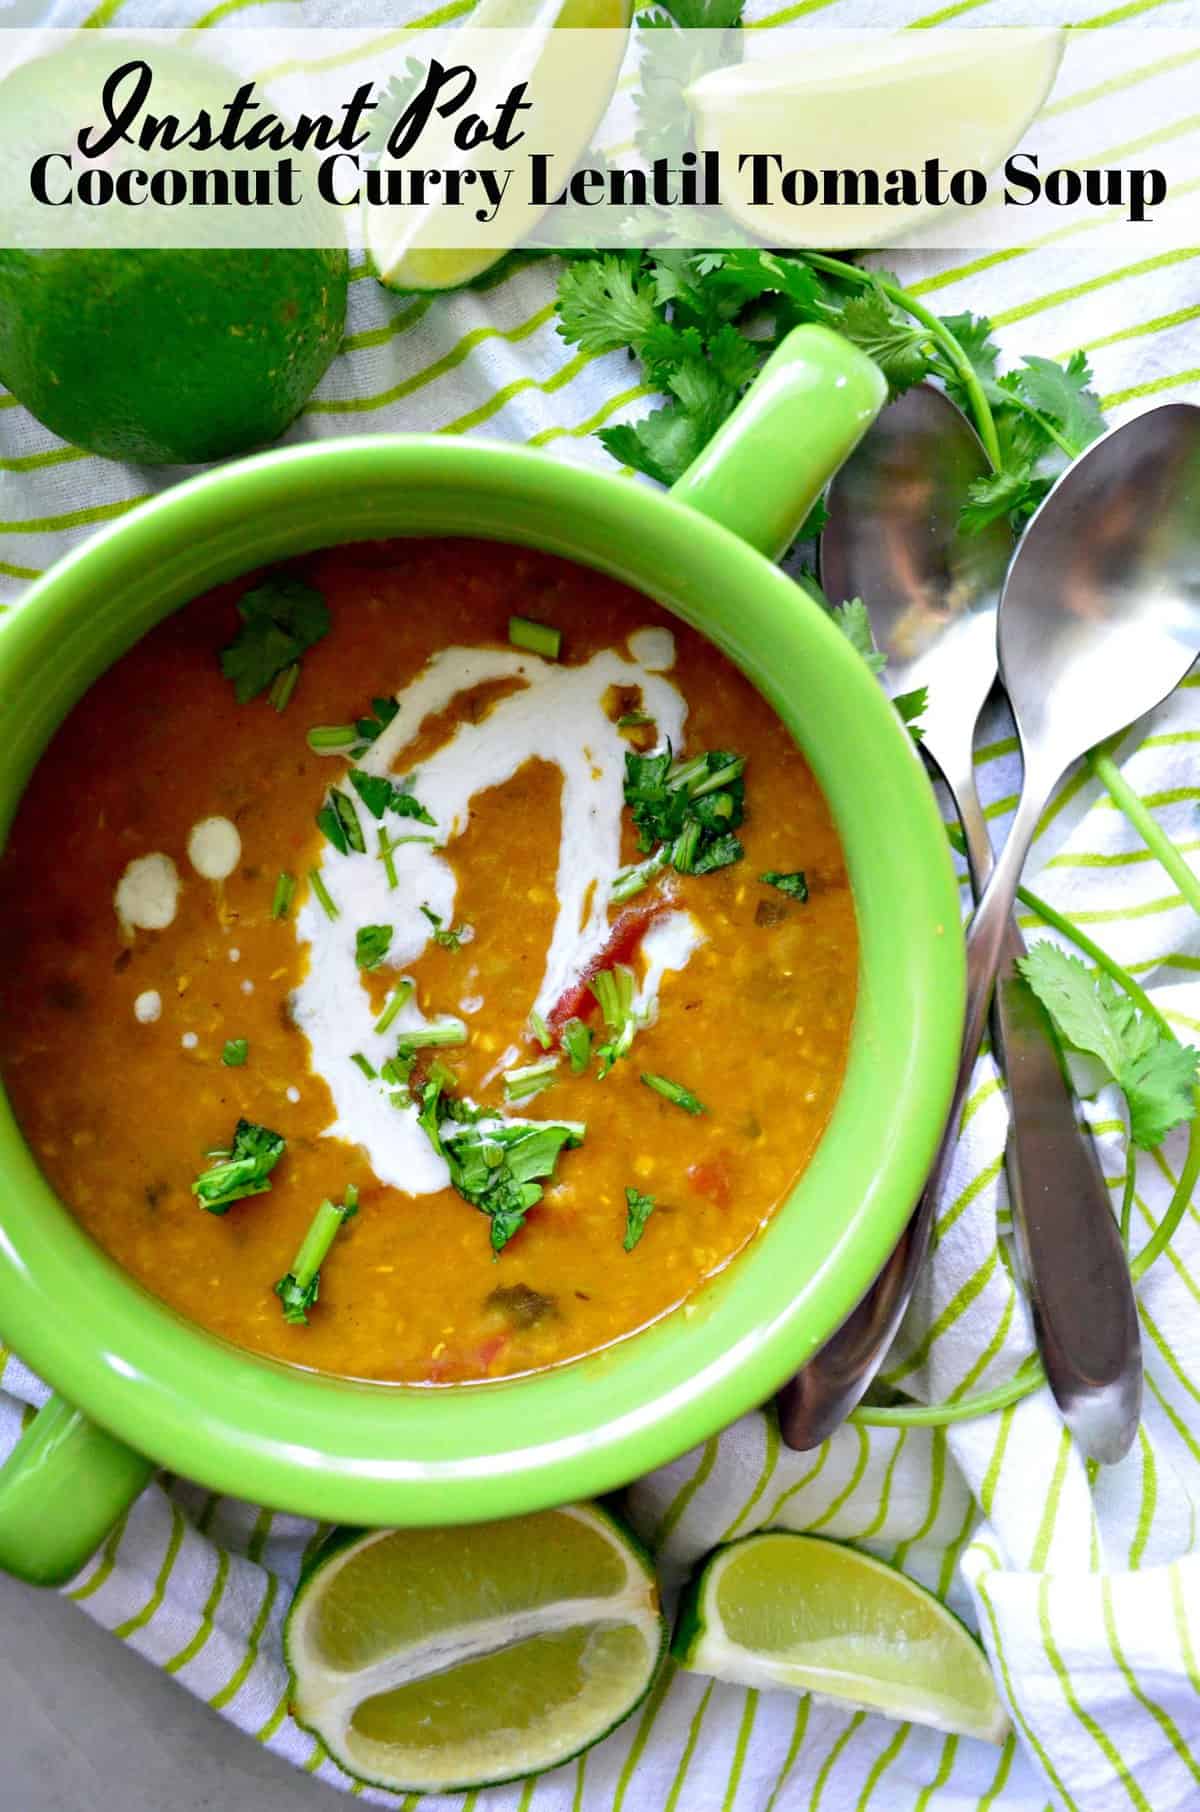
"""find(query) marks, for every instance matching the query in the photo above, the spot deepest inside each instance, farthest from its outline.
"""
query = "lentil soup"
(429, 962)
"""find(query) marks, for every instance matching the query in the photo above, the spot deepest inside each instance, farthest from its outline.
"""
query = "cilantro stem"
(322, 892)
(421, 1038)
(385, 851)
(281, 899)
(399, 996)
(283, 685)
(536, 638)
(327, 739)
(1145, 824)
(937, 329)
(299, 1289)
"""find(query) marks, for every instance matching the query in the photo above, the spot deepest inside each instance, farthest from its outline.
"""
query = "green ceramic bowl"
(138, 1385)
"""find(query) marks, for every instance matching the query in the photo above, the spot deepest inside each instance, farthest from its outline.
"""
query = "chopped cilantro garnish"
(615, 990)
(638, 1209)
(449, 937)
(400, 995)
(380, 795)
(253, 1155)
(322, 892)
(369, 728)
(537, 638)
(422, 1038)
(330, 739)
(686, 813)
(281, 899)
(1156, 1075)
(634, 720)
(794, 885)
(530, 1079)
(338, 821)
(365, 1065)
(498, 1166)
(280, 619)
(235, 1053)
(371, 945)
(631, 880)
(299, 1290)
(674, 1092)
(577, 1043)
(388, 847)
(539, 1029)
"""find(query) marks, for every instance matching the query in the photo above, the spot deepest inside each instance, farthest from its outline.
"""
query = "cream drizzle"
(556, 715)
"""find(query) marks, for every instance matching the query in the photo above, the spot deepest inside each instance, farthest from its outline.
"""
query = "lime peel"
(782, 1610)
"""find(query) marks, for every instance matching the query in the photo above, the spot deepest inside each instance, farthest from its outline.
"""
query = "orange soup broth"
(120, 1114)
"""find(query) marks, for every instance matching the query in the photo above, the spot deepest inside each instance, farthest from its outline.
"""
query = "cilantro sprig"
(638, 1209)
(703, 324)
(1156, 1075)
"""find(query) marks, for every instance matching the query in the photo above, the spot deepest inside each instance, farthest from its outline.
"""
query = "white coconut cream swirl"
(558, 715)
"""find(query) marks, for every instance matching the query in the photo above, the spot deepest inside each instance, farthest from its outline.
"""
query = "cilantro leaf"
(369, 728)
(794, 885)
(380, 795)
(1156, 1075)
(338, 822)
(253, 1156)
(605, 303)
(235, 1053)
(1062, 392)
(638, 1209)
(854, 621)
(897, 346)
(281, 618)
(371, 945)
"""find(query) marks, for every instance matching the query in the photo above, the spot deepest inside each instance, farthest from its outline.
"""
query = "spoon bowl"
(893, 539)
(1100, 616)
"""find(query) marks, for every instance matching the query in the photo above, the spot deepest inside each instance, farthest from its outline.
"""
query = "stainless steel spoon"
(893, 539)
(1099, 621)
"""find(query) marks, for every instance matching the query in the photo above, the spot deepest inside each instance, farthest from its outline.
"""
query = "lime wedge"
(845, 103)
(407, 246)
(437, 1660)
(781, 1610)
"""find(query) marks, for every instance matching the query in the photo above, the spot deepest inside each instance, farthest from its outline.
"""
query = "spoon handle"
(1072, 1262)
(819, 1398)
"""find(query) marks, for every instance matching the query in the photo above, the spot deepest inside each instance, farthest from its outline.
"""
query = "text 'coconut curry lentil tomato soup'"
(427, 962)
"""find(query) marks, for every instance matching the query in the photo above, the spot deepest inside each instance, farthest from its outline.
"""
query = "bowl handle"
(804, 414)
(63, 1487)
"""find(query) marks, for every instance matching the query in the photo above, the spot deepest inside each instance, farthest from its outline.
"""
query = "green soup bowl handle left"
(65, 1485)
(67, 1481)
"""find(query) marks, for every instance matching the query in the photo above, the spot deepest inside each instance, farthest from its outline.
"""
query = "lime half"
(781, 1610)
(868, 101)
(433, 1660)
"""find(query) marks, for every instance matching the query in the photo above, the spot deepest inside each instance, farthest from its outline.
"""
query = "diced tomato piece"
(711, 1178)
(627, 933)
(490, 1350)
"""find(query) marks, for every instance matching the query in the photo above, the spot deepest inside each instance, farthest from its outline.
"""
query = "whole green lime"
(169, 357)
